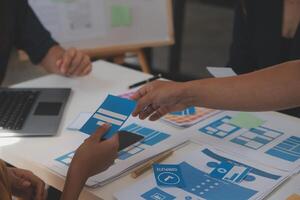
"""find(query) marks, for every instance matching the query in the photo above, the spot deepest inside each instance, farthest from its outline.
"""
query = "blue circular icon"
(168, 178)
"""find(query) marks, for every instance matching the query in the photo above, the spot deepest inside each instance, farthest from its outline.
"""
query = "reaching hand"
(158, 98)
(74, 63)
(95, 156)
(91, 158)
(25, 185)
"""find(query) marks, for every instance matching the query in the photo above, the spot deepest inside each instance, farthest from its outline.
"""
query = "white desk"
(105, 78)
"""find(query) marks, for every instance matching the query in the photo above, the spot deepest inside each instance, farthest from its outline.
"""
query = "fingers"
(158, 114)
(140, 93)
(66, 60)
(99, 133)
(36, 182)
(83, 66)
(142, 105)
(74, 63)
(147, 112)
(77, 59)
(19, 181)
(113, 142)
(87, 70)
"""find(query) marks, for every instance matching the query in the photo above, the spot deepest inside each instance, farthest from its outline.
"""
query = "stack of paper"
(116, 111)
(124, 164)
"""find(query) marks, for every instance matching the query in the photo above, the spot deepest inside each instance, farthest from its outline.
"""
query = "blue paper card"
(168, 175)
(114, 111)
(188, 111)
(230, 172)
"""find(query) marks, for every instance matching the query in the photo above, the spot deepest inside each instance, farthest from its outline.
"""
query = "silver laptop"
(31, 111)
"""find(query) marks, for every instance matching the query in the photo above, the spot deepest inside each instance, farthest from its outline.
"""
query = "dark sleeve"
(31, 35)
(240, 58)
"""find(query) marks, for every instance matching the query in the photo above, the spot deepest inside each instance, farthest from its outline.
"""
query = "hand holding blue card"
(114, 111)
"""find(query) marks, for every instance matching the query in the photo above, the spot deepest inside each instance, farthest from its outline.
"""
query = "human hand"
(95, 156)
(74, 63)
(159, 98)
(25, 185)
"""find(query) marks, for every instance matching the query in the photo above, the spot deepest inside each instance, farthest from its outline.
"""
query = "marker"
(145, 81)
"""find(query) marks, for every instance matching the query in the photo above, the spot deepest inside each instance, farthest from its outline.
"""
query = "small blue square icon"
(157, 194)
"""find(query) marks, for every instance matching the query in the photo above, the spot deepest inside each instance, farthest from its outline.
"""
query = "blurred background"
(203, 31)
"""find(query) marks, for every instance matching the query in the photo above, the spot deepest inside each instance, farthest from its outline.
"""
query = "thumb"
(100, 132)
(59, 62)
(114, 140)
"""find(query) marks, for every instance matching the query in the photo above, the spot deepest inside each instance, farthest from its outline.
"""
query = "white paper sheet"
(259, 144)
(196, 169)
(79, 121)
(69, 20)
(220, 72)
(124, 164)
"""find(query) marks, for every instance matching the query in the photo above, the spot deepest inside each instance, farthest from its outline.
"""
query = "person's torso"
(8, 23)
(265, 22)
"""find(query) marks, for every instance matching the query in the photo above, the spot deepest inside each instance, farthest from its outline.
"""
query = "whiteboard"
(107, 24)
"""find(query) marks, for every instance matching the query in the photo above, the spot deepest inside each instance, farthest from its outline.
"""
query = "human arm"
(70, 62)
(273, 88)
(36, 41)
(91, 158)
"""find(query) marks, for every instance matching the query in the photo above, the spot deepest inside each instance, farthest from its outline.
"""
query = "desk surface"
(105, 78)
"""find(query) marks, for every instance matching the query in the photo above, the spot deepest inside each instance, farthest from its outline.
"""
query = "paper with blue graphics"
(168, 175)
(207, 173)
(114, 111)
(230, 172)
(188, 111)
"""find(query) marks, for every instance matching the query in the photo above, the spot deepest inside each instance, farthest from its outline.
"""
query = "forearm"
(73, 186)
(270, 89)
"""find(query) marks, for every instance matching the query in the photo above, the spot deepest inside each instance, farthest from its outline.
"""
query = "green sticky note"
(246, 120)
(121, 16)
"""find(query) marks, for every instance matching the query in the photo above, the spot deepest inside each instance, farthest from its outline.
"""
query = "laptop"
(31, 111)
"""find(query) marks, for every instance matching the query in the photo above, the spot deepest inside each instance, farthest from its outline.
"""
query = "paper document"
(79, 121)
(220, 72)
(71, 20)
(114, 111)
(252, 135)
(155, 142)
(206, 173)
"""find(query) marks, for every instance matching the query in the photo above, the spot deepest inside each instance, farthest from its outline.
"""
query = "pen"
(145, 81)
(145, 167)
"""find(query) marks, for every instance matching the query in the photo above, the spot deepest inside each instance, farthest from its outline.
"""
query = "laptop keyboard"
(15, 106)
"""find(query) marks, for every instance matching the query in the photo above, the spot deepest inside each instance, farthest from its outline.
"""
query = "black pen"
(145, 81)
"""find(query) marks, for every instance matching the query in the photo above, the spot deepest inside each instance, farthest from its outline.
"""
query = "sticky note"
(121, 16)
(114, 111)
(168, 175)
(246, 120)
(230, 172)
